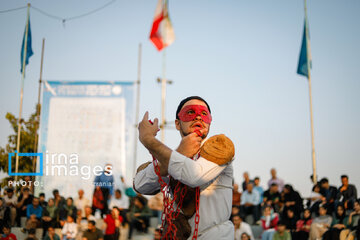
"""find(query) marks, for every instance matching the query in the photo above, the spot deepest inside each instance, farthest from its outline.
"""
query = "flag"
(162, 33)
(305, 53)
(28, 50)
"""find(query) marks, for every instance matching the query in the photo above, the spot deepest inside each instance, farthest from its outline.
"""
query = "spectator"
(245, 236)
(11, 202)
(4, 213)
(258, 188)
(236, 195)
(250, 201)
(281, 233)
(103, 183)
(83, 222)
(157, 234)
(330, 194)
(235, 210)
(350, 232)
(23, 201)
(292, 199)
(347, 194)
(50, 216)
(67, 210)
(320, 224)
(339, 223)
(7, 235)
(241, 227)
(42, 201)
(275, 179)
(34, 214)
(51, 235)
(315, 199)
(32, 234)
(112, 223)
(272, 197)
(156, 204)
(81, 202)
(303, 226)
(290, 221)
(59, 200)
(69, 230)
(92, 233)
(139, 216)
(269, 222)
(246, 180)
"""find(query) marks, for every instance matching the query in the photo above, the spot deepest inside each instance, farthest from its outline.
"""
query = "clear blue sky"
(239, 55)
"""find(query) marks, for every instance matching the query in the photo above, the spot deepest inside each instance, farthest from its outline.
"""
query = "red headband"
(190, 112)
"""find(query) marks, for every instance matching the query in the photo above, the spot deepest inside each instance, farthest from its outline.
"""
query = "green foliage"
(27, 143)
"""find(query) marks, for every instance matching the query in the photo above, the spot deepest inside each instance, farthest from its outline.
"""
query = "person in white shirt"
(121, 201)
(241, 227)
(215, 181)
(69, 230)
(11, 202)
(81, 202)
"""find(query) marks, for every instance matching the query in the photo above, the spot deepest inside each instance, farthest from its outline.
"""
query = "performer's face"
(197, 123)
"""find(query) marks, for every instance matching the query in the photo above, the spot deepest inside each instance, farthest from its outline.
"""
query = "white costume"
(215, 184)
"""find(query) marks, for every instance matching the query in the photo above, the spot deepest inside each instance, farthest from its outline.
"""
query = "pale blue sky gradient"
(241, 56)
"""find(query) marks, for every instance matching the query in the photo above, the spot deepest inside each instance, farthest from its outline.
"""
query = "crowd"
(80, 218)
(329, 213)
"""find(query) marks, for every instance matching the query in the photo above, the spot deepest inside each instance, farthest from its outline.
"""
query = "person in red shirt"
(7, 235)
(113, 221)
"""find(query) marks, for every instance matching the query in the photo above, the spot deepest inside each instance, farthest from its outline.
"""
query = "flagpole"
(310, 99)
(137, 106)
(21, 93)
(163, 84)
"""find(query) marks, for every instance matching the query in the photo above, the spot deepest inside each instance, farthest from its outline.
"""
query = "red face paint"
(190, 112)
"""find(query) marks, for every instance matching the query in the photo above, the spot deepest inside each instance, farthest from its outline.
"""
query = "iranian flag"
(162, 33)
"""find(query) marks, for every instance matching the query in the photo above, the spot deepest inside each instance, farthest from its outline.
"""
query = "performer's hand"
(147, 130)
(190, 145)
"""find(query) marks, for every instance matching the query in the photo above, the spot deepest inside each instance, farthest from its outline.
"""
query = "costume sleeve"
(193, 173)
(146, 181)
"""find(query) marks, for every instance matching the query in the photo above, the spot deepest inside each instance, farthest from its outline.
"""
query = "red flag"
(162, 33)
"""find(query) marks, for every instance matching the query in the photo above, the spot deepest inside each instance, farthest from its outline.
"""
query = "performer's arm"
(146, 181)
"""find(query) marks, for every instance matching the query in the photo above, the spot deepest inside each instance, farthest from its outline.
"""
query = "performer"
(210, 169)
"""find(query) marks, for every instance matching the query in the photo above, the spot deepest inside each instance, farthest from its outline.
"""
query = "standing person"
(275, 179)
(241, 227)
(303, 226)
(347, 194)
(193, 116)
(105, 184)
(81, 202)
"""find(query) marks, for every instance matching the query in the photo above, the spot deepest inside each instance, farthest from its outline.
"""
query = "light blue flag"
(29, 51)
(305, 53)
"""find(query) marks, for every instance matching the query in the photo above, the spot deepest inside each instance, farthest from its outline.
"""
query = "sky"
(241, 56)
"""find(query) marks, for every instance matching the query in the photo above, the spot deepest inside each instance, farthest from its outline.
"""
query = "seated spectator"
(290, 221)
(32, 235)
(315, 199)
(303, 226)
(121, 201)
(23, 201)
(112, 223)
(7, 235)
(347, 193)
(274, 179)
(320, 224)
(269, 222)
(271, 197)
(156, 204)
(292, 199)
(339, 223)
(66, 210)
(157, 234)
(139, 215)
(50, 216)
(250, 201)
(34, 213)
(235, 210)
(246, 181)
(236, 195)
(241, 227)
(245, 236)
(51, 235)
(258, 188)
(329, 193)
(92, 233)
(59, 200)
(83, 222)
(281, 233)
(350, 232)
(4, 213)
(11, 202)
(70, 229)
(42, 201)
(81, 202)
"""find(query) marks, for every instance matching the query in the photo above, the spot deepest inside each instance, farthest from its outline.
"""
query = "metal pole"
(21, 94)
(310, 98)
(137, 107)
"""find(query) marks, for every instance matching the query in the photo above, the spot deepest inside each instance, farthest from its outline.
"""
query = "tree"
(27, 144)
